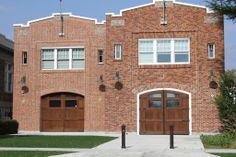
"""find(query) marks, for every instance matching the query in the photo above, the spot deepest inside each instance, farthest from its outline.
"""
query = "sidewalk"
(147, 146)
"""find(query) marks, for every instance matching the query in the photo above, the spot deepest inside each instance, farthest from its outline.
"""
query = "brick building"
(149, 67)
(6, 75)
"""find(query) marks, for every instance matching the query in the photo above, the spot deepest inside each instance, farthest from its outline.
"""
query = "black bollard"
(171, 136)
(123, 132)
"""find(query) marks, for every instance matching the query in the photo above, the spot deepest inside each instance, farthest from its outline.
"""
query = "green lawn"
(225, 155)
(219, 141)
(53, 141)
(28, 154)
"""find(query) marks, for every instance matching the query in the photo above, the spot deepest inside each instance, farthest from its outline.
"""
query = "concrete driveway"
(147, 146)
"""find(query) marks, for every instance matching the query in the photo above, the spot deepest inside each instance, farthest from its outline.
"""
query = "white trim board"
(112, 14)
(171, 89)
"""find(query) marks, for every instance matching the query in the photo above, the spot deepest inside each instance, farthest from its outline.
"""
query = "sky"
(21, 11)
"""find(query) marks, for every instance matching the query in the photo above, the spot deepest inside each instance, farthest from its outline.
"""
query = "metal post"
(171, 136)
(123, 132)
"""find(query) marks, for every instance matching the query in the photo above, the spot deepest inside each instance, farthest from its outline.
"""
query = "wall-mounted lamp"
(213, 84)
(23, 80)
(117, 76)
(100, 79)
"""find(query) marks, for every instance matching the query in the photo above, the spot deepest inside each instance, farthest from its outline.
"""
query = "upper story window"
(164, 51)
(24, 57)
(117, 51)
(62, 58)
(100, 56)
(8, 78)
(211, 51)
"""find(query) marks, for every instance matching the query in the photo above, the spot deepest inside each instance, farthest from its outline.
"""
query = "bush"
(8, 127)
(226, 102)
(220, 141)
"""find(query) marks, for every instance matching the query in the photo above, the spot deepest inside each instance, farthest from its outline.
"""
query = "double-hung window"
(146, 51)
(47, 57)
(211, 51)
(118, 52)
(164, 51)
(78, 58)
(62, 59)
(181, 51)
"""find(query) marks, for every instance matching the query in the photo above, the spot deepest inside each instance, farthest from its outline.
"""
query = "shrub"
(8, 127)
(226, 102)
(222, 140)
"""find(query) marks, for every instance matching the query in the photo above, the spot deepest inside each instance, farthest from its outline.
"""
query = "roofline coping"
(111, 13)
(58, 14)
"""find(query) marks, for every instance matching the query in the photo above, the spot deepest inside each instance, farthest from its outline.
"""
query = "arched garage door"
(160, 109)
(62, 112)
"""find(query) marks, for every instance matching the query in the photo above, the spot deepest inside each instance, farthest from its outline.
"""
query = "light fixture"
(100, 79)
(117, 76)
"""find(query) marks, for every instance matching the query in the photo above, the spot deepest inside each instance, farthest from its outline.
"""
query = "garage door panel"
(153, 114)
(74, 126)
(55, 114)
(180, 127)
(75, 114)
(52, 126)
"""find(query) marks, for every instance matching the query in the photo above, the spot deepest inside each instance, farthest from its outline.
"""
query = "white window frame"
(172, 51)
(7, 72)
(120, 48)
(214, 51)
(70, 58)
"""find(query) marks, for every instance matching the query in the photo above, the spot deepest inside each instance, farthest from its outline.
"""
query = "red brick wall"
(107, 111)
(78, 32)
(183, 22)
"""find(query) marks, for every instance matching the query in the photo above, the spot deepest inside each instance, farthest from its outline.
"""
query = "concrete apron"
(147, 146)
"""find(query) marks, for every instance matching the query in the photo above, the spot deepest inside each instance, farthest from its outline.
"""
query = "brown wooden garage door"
(160, 109)
(62, 112)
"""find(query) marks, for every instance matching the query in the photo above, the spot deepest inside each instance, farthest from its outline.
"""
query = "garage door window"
(71, 103)
(155, 103)
(55, 103)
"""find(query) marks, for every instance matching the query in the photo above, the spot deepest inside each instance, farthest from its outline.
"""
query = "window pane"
(47, 64)
(71, 103)
(47, 54)
(163, 46)
(172, 95)
(181, 58)
(163, 58)
(63, 54)
(146, 46)
(146, 57)
(55, 103)
(78, 53)
(63, 64)
(78, 64)
(117, 51)
(172, 103)
(158, 95)
(100, 56)
(155, 103)
(181, 45)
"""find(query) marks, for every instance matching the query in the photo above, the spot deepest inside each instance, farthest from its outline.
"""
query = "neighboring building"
(6, 75)
(148, 67)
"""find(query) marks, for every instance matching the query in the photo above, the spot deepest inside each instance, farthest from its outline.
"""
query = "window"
(118, 51)
(24, 57)
(164, 51)
(100, 56)
(55, 103)
(63, 58)
(47, 59)
(211, 51)
(78, 58)
(146, 51)
(71, 103)
(8, 78)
